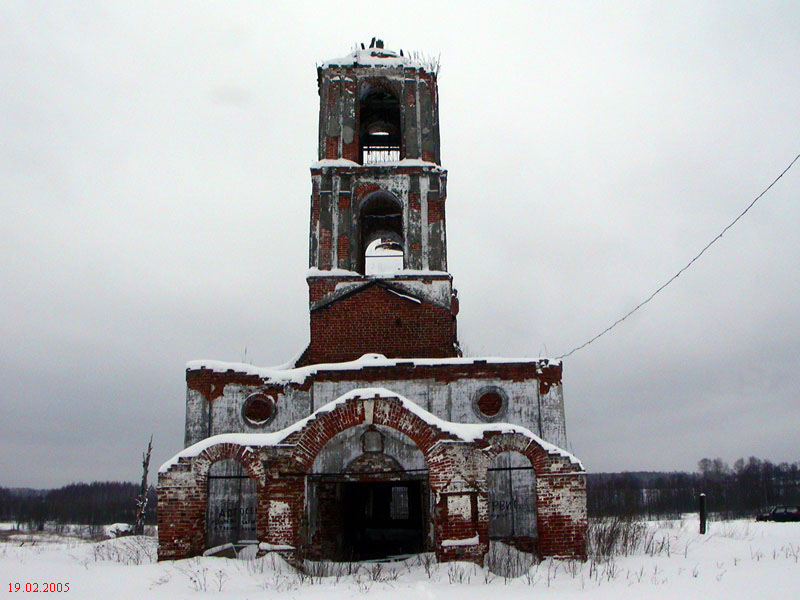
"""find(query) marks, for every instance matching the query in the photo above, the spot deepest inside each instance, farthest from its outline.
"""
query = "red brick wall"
(211, 383)
(183, 498)
(329, 524)
(377, 321)
(435, 211)
(319, 287)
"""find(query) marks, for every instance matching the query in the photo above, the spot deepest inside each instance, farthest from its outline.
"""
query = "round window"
(258, 410)
(490, 403)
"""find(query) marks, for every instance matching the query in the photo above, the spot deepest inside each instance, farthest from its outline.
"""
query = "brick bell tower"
(378, 280)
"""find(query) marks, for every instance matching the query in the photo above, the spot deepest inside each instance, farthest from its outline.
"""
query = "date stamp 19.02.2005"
(35, 586)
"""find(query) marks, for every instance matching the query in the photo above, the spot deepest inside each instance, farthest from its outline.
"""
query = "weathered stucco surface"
(450, 397)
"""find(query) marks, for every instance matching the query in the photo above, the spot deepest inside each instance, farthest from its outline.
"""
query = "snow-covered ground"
(736, 559)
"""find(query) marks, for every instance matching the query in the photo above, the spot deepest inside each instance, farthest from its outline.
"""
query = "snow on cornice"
(316, 272)
(299, 375)
(334, 162)
(345, 162)
(378, 57)
(466, 432)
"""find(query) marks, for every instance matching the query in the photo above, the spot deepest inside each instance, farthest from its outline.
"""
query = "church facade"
(380, 439)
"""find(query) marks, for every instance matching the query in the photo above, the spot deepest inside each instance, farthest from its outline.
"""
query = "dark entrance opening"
(382, 519)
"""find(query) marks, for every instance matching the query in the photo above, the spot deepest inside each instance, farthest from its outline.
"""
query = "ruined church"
(380, 439)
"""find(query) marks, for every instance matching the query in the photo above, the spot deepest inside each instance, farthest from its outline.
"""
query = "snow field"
(668, 559)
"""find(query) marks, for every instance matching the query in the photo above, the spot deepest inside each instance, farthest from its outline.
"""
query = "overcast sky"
(155, 190)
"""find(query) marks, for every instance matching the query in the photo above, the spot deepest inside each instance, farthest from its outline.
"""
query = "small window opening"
(490, 404)
(379, 127)
(372, 441)
(258, 410)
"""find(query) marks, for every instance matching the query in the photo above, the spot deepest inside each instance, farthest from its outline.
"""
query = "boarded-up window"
(490, 403)
(512, 497)
(232, 500)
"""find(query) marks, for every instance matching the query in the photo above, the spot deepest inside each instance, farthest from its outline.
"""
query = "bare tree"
(141, 500)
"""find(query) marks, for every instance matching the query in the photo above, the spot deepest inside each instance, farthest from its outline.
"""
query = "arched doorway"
(367, 496)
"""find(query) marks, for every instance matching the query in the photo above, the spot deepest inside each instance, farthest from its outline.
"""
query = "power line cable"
(689, 264)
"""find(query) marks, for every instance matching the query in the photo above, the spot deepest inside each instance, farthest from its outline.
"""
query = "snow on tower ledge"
(286, 374)
(378, 56)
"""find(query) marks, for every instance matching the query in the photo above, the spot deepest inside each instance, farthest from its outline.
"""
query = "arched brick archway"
(244, 455)
(182, 505)
(288, 494)
(378, 410)
(560, 493)
(457, 477)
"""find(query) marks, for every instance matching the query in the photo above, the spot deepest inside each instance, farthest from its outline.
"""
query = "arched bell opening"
(381, 233)
(379, 135)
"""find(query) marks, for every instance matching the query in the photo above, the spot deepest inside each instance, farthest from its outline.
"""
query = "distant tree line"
(750, 487)
(97, 503)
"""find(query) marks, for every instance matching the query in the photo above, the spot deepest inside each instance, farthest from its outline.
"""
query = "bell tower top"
(377, 279)
(378, 106)
(379, 191)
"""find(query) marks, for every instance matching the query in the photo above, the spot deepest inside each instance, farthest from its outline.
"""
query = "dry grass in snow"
(669, 559)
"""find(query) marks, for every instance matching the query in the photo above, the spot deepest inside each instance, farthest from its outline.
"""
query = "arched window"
(379, 130)
(381, 231)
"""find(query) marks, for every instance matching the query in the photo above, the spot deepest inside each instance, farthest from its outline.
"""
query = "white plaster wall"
(454, 401)
(451, 401)
(196, 417)
(554, 428)
(226, 412)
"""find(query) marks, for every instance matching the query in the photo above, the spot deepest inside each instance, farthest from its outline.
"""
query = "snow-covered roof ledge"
(316, 272)
(334, 162)
(378, 56)
(400, 274)
(298, 375)
(466, 432)
(327, 163)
